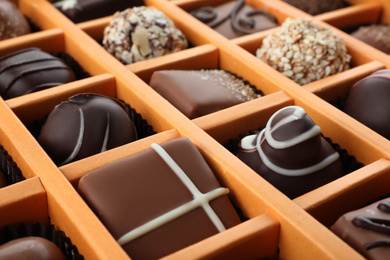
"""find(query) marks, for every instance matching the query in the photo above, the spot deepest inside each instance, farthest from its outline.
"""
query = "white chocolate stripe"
(299, 113)
(80, 138)
(295, 172)
(106, 134)
(200, 200)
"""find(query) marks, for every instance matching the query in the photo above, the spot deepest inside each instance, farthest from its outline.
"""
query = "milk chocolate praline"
(31, 248)
(368, 102)
(12, 21)
(367, 230)
(85, 125)
(315, 7)
(161, 184)
(235, 18)
(376, 35)
(291, 154)
(84, 10)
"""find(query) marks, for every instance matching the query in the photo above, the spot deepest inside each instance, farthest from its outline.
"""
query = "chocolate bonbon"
(31, 70)
(315, 7)
(84, 10)
(162, 185)
(304, 51)
(367, 230)
(291, 154)
(32, 248)
(368, 102)
(12, 21)
(142, 33)
(376, 35)
(200, 92)
(85, 125)
(235, 18)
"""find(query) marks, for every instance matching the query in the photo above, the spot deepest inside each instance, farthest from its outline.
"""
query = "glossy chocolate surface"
(84, 10)
(368, 102)
(12, 21)
(31, 248)
(31, 70)
(376, 35)
(85, 125)
(367, 230)
(315, 7)
(197, 93)
(235, 18)
(291, 154)
(129, 194)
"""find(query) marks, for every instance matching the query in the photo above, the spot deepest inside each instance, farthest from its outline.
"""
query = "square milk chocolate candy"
(160, 200)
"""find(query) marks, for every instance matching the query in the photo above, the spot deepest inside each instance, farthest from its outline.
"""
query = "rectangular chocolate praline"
(132, 192)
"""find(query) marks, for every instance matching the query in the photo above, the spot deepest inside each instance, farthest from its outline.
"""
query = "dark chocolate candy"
(315, 7)
(367, 230)
(31, 248)
(376, 35)
(291, 154)
(31, 70)
(3, 180)
(197, 93)
(85, 125)
(368, 102)
(235, 18)
(163, 184)
(84, 10)
(12, 21)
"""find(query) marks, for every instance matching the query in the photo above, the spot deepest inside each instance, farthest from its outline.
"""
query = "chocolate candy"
(84, 10)
(198, 93)
(368, 102)
(376, 35)
(304, 51)
(32, 248)
(31, 70)
(315, 7)
(235, 18)
(291, 154)
(3, 180)
(85, 125)
(12, 21)
(367, 230)
(151, 202)
(142, 33)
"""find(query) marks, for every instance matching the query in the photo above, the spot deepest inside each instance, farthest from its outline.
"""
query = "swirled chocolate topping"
(367, 229)
(235, 18)
(291, 153)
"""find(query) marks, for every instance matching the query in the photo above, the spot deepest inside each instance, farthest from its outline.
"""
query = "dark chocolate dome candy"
(291, 154)
(84, 10)
(32, 248)
(85, 125)
(31, 70)
(315, 7)
(235, 18)
(369, 102)
(12, 21)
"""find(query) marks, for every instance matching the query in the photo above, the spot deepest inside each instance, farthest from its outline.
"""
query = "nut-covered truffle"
(376, 35)
(304, 51)
(142, 33)
(85, 125)
(12, 21)
(291, 154)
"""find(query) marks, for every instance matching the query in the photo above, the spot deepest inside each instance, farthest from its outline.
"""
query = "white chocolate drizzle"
(66, 4)
(200, 200)
(80, 138)
(248, 144)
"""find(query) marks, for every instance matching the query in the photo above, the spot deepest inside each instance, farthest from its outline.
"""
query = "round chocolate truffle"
(315, 7)
(85, 125)
(142, 33)
(368, 102)
(291, 154)
(235, 18)
(304, 51)
(12, 21)
(376, 35)
(32, 248)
